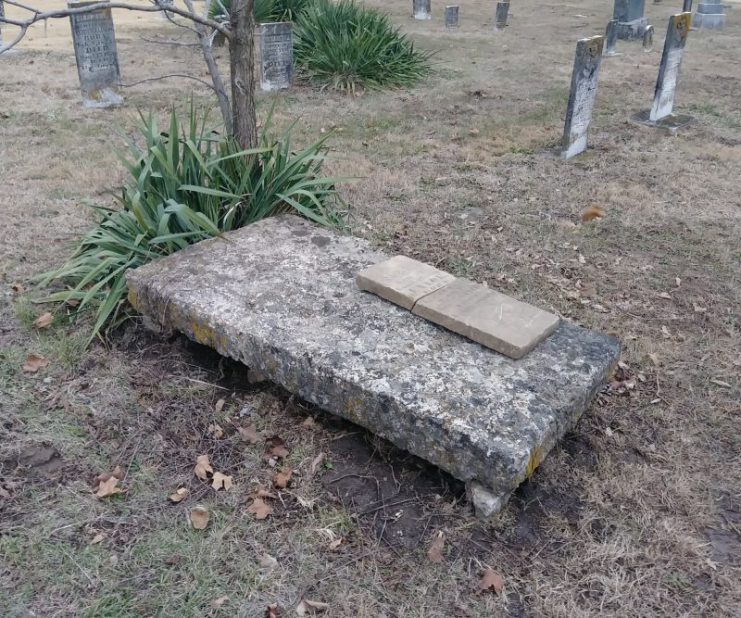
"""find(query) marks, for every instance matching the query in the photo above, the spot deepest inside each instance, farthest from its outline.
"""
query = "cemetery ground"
(636, 513)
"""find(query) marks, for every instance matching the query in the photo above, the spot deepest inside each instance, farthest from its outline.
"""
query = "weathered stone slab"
(402, 280)
(648, 39)
(451, 16)
(501, 15)
(280, 296)
(488, 317)
(422, 9)
(630, 15)
(94, 40)
(611, 35)
(583, 93)
(276, 55)
(671, 60)
(710, 14)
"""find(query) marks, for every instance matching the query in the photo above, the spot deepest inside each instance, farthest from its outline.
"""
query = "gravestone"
(710, 14)
(671, 60)
(280, 296)
(165, 3)
(422, 9)
(451, 16)
(648, 39)
(276, 55)
(584, 79)
(611, 35)
(501, 15)
(94, 40)
(2, 14)
(631, 18)
(687, 6)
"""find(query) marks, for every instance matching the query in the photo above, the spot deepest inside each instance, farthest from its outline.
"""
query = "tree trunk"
(241, 56)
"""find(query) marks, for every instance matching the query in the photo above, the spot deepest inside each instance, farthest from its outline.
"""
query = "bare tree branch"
(154, 79)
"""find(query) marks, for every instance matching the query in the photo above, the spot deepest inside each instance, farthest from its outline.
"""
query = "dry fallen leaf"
(491, 580)
(203, 467)
(591, 213)
(335, 545)
(267, 561)
(179, 495)
(309, 422)
(221, 481)
(435, 552)
(277, 448)
(307, 607)
(250, 434)
(34, 362)
(199, 517)
(272, 611)
(97, 538)
(43, 321)
(318, 461)
(219, 406)
(17, 288)
(265, 493)
(215, 430)
(217, 603)
(108, 488)
(281, 479)
(259, 508)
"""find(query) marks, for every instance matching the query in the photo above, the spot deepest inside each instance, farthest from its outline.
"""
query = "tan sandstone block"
(402, 280)
(492, 319)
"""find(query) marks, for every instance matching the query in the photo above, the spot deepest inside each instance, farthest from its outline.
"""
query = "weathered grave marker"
(422, 9)
(165, 3)
(94, 40)
(2, 14)
(687, 6)
(501, 15)
(671, 60)
(710, 14)
(451, 16)
(584, 79)
(648, 39)
(631, 18)
(276, 55)
(611, 35)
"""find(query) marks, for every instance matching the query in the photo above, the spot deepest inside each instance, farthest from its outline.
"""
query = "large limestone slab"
(402, 280)
(492, 319)
(280, 296)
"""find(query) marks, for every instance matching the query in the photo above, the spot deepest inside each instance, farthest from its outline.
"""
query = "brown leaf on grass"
(272, 611)
(309, 422)
(265, 493)
(266, 561)
(17, 288)
(491, 580)
(4, 493)
(108, 488)
(221, 481)
(249, 433)
(219, 406)
(98, 538)
(72, 302)
(106, 476)
(592, 213)
(199, 517)
(217, 603)
(215, 430)
(259, 508)
(281, 479)
(203, 467)
(34, 362)
(335, 545)
(43, 321)
(276, 448)
(316, 462)
(179, 495)
(435, 552)
(307, 607)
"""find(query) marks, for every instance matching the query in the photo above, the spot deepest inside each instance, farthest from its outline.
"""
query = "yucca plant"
(264, 10)
(346, 46)
(187, 184)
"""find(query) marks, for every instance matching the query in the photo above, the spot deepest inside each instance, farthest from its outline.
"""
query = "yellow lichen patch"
(535, 458)
(202, 333)
(134, 299)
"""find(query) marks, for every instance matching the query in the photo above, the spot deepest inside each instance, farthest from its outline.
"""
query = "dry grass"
(636, 514)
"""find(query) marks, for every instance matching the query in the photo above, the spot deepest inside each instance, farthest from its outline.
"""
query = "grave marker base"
(671, 123)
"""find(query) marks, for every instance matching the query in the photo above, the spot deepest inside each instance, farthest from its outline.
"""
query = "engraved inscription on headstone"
(710, 14)
(500, 19)
(648, 39)
(276, 55)
(451, 16)
(94, 39)
(631, 18)
(671, 60)
(611, 33)
(583, 93)
(422, 9)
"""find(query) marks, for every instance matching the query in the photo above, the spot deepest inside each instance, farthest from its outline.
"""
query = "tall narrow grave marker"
(276, 55)
(611, 35)
(648, 39)
(501, 15)
(422, 9)
(583, 93)
(671, 60)
(451, 17)
(631, 18)
(94, 39)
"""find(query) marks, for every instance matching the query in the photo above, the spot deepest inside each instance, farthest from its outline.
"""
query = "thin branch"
(97, 6)
(163, 42)
(154, 79)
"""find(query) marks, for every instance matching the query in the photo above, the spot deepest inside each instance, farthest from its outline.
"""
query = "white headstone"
(276, 55)
(422, 9)
(671, 60)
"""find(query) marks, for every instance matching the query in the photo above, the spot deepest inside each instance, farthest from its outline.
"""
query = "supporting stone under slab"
(280, 296)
